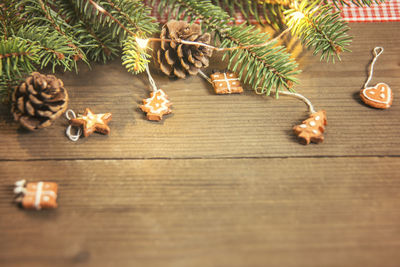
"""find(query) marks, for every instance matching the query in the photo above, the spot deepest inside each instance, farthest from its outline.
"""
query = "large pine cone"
(177, 59)
(38, 101)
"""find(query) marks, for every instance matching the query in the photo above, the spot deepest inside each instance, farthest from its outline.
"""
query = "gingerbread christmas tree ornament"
(379, 96)
(312, 129)
(91, 122)
(157, 105)
(39, 195)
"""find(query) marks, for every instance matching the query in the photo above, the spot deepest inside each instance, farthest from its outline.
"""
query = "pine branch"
(10, 18)
(264, 12)
(17, 57)
(267, 66)
(127, 20)
(52, 48)
(320, 28)
(6, 87)
(134, 58)
(41, 13)
(99, 44)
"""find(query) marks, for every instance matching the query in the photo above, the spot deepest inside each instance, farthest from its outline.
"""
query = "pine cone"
(177, 59)
(38, 101)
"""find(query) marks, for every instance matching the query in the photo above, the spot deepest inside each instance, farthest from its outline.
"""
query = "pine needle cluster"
(53, 34)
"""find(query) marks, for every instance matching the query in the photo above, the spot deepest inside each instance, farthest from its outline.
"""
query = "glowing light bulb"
(297, 15)
(142, 42)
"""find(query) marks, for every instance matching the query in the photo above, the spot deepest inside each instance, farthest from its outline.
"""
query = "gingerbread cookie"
(226, 83)
(379, 96)
(312, 129)
(91, 122)
(157, 105)
(40, 195)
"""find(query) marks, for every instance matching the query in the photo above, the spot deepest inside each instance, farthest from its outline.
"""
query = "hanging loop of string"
(295, 95)
(70, 114)
(377, 52)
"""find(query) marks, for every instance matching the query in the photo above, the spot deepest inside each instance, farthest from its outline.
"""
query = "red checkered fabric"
(389, 11)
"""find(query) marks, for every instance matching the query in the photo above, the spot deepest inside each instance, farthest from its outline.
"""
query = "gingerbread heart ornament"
(379, 96)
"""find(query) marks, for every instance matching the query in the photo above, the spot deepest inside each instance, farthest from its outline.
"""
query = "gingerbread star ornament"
(91, 122)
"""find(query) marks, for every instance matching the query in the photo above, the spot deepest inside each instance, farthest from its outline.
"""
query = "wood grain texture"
(220, 182)
(205, 125)
(206, 212)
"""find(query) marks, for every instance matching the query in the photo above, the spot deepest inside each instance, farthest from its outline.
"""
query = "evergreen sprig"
(264, 12)
(268, 66)
(319, 27)
(17, 57)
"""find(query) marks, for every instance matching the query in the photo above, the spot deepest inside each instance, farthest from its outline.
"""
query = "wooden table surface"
(222, 181)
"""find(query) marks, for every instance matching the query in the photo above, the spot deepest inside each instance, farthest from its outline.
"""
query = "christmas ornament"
(38, 101)
(91, 122)
(177, 58)
(311, 130)
(156, 106)
(380, 95)
(39, 195)
(226, 83)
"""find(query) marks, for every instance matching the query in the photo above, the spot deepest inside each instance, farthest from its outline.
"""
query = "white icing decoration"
(159, 93)
(38, 195)
(382, 95)
(317, 118)
(46, 198)
(372, 93)
(315, 131)
(389, 94)
(91, 119)
(303, 126)
(312, 123)
(227, 81)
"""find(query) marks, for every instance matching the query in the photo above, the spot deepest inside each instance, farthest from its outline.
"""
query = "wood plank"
(205, 125)
(206, 212)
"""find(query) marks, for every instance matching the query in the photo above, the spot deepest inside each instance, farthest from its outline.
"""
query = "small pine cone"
(38, 101)
(177, 59)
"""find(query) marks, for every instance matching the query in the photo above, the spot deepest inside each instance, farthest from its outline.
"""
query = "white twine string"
(377, 53)
(202, 74)
(302, 98)
(295, 95)
(72, 137)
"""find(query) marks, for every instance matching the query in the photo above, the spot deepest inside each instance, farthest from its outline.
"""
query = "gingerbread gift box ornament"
(226, 83)
(379, 96)
(36, 195)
